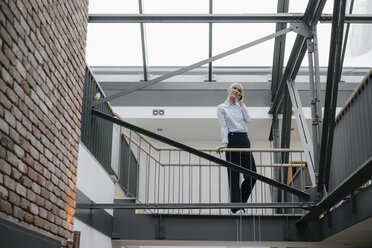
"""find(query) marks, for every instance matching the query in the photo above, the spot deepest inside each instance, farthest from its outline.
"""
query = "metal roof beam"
(220, 18)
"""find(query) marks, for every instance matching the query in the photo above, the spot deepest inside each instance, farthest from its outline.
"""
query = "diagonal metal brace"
(204, 155)
(190, 67)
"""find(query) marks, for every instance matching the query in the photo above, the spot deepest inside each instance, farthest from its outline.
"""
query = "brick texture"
(42, 59)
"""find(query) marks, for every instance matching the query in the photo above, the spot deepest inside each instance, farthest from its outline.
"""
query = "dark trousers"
(240, 193)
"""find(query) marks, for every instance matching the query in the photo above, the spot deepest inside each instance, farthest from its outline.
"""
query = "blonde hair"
(233, 84)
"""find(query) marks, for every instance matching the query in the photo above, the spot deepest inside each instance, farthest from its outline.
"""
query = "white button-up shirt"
(232, 118)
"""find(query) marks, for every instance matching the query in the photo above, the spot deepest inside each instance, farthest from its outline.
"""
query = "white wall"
(93, 180)
(91, 238)
(95, 183)
(115, 155)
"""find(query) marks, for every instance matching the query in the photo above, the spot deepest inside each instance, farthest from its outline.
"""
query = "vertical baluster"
(129, 153)
(200, 183)
(169, 178)
(179, 179)
(159, 177)
(219, 185)
(164, 183)
(262, 185)
(147, 182)
(272, 177)
(138, 168)
(190, 181)
(210, 183)
(155, 179)
(292, 177)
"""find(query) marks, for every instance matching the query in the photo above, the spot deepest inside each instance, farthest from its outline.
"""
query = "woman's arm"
(246, 116)
(221, 119)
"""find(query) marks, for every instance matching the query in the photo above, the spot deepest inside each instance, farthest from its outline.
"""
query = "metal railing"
(174, 181)
(96, 133)
(352, 135)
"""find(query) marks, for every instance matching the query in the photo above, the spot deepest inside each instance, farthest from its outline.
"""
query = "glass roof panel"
(244, 6)
(176, 44)
(113, 7)
(114, 44)
(299, 6)
(176, 7)
(359, 45)
(229, 36)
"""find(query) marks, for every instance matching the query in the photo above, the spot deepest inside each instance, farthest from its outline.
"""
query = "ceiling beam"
(219, 18)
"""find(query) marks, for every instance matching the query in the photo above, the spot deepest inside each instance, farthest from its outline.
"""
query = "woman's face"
(235, 91)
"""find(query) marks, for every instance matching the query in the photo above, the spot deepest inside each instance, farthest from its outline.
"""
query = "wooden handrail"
(214, 149)
(158, 149)
(257, 165)
(364, 80)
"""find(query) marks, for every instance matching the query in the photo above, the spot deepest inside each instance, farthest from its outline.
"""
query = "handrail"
(214, 149)
(202, 154)
(364, 80)
(291, 164)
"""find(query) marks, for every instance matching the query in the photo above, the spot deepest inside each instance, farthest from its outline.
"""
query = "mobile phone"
(240, 97)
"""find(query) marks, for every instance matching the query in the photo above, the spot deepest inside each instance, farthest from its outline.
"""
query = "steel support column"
(279, 48)
(143, 43)
(333, 78)
(210, 66)
(303, 130)
(314, 85)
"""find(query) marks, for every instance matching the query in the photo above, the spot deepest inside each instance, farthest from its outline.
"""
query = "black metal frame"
(333, 78)
(219, 18)
(347, 187)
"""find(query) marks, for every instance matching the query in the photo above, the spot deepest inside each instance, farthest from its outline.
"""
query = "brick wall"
(42, 58)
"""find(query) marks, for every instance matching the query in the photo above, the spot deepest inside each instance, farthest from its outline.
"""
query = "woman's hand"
(224, 145)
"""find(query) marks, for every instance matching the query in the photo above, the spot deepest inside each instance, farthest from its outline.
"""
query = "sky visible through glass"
(180, 44)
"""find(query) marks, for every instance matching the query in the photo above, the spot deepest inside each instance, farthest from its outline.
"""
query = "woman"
(233, 115)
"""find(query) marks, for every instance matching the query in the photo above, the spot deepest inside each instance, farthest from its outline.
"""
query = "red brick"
(3, 193)
(6, 37)
(29, 160)
(9, 183)
(5, 101)
(12, 96)
(31, 196)
(40, 201)
(32, 174)
(38, 221)
(43, 213)
(36, 188)
(28, 218)
(5, 167)
(14, 198)
(12, 32)
(25, 86)
(21, 190)
(25, 204)
(26, 182)
(6, 207)
(9, 118)
(16, 175)
(18, 213)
